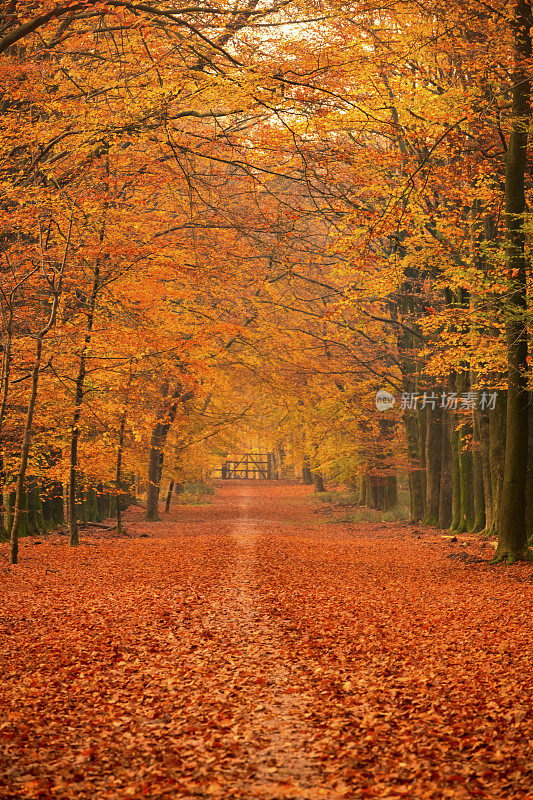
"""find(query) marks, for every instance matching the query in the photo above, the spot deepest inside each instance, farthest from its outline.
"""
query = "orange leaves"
(257, 655)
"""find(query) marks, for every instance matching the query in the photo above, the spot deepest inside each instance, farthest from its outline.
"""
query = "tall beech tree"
(53, 275)
(512, 539)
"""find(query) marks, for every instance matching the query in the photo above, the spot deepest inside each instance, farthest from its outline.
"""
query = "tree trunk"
(36, 522)
(445, 495)
(6, 369)
(28, 425)
(10, 504)
(416, 481)
(53, 504)
(65, 500)
(26, 441)
(155, 464)
(318, 482)
(479, 466)
(478, 490)
(512, 538)
(384, 491)
(481, 431)
(433, 464)
(167, 414)
(529, 480)
(307, 477)
(456, 475)
(118, 476)
(365, 491)
(281, 459)
(169, 496)
(80, 388)
(466, 474)
(90, 505)
(422, 431)
(101, 501)
(375, 491)
(497, 455)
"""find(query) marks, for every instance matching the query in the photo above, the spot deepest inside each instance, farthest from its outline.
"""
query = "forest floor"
(250, 649)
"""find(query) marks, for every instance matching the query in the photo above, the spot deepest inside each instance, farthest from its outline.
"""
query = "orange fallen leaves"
(264, 656)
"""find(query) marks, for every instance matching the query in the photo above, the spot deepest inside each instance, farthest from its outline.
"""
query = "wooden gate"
(252, 466)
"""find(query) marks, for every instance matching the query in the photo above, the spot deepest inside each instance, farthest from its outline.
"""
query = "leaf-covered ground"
(245, 650)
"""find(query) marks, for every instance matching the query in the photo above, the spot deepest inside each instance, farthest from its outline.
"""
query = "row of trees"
(267, 213)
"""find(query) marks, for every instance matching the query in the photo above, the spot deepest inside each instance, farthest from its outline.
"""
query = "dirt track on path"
(247, 650)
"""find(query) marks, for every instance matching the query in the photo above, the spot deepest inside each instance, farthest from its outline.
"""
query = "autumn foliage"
(244, 651)
(228, 227)
(300, 201)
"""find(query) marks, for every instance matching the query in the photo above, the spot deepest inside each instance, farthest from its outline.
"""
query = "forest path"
(250, 649)
(278, 763)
